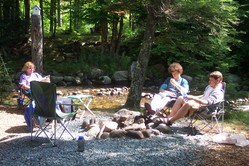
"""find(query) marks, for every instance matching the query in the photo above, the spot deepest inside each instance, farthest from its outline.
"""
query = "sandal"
(158, 121)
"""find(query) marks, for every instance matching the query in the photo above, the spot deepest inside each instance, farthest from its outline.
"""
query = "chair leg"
(191, 127)
(55, 126)
(53, 137)
(43, 129)
(64, 126)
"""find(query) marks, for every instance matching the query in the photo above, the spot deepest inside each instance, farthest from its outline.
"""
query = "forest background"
(79, 35)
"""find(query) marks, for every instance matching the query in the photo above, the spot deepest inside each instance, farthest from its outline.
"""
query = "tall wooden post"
(37, 39)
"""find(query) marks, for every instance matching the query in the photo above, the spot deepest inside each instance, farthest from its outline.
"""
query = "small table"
(83, 100)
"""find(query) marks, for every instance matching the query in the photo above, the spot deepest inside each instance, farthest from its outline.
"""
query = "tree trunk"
(37, 43)
(114, 33)
(121, 26)
(70, 17)
(139, 72)
(104, 33)
(52, 12)
(76, 14)
(54, 18)
(59, 14)
(42, 21)
(27, 15)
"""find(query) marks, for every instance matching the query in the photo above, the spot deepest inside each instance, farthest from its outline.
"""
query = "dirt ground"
(13, 124)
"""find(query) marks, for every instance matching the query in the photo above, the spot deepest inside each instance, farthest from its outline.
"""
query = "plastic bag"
(226, 138)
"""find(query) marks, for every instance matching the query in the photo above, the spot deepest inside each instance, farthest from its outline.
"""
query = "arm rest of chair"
(80, 96)
(63, 115)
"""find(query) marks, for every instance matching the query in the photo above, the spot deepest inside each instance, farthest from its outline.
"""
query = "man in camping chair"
(187, 105)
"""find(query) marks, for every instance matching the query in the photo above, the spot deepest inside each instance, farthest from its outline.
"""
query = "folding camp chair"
(167, 108)
(209, 117)
(83, 100)
(23, 99)
(47, 107)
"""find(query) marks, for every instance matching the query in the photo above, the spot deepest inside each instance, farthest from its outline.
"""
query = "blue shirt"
(169, 87)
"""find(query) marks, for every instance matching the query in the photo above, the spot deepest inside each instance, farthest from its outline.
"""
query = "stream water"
(103, 102)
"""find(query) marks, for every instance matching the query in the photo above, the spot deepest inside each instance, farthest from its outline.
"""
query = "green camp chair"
(47, 107)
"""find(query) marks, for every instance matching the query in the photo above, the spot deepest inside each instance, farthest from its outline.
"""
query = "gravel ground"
(155, 151)
(166, 149)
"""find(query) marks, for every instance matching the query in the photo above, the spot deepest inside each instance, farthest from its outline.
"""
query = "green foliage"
(87, 61)
(237, 116)
(5, 81)
(233, 92)
(108, 63)
(199, 35)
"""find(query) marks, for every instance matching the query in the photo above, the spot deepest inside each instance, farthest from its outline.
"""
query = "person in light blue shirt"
(172, 87)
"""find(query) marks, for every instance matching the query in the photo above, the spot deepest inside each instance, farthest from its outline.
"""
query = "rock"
(135, 126)
(95, 73)
(117, 133)
(84, 124)
(105, 80)
(93, 131)
(147, 133)
(56, 79)
(155, 132)
(80, 74)
(120, 76)
(150, 125)
(135, 134)
(69, 79)
(123, 118)
(61, 83)
(126, 114)
(78, 80)
(164, 128)
(110, 126)
(105, 135)
(139, 119)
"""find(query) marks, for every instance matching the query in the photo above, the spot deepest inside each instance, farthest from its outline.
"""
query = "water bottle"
(81, 144)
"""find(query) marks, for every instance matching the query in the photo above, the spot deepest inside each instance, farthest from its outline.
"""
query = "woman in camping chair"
(172, 87)
(185, 105)
(27, 76)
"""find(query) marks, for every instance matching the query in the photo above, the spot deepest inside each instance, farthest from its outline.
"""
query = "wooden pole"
(37, 41)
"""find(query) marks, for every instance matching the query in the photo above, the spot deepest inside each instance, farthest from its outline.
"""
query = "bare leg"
(181, 112)
(178, 104)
